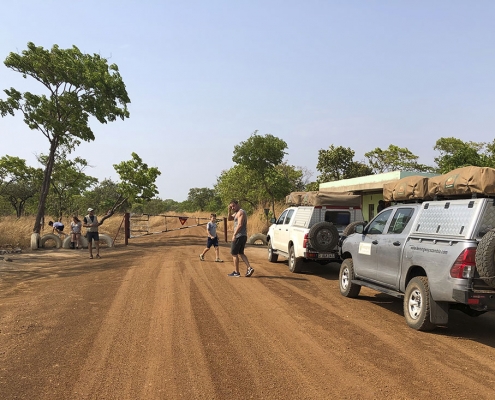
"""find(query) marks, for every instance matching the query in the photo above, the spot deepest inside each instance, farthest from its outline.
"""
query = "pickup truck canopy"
(323, 199)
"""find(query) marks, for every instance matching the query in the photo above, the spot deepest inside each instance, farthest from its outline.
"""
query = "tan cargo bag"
(463, 181)
(408, 188)
(323, 199)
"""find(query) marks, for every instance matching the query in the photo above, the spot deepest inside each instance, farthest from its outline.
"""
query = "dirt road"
(151, 321)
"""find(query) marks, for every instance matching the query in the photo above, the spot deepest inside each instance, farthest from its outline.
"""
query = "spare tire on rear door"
(351, 228)
(323, 236)
(485, 258)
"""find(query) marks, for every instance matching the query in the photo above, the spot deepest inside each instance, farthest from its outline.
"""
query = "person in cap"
(91, 224)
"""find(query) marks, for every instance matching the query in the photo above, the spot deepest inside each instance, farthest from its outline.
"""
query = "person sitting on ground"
(75, 232)
(58, 227)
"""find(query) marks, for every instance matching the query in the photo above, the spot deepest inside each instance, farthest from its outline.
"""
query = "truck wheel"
(351, 228)
(323, 236)
(257, 239)
(272, 257)
(417, 306)
(295, 263)
(485, 257)
(346, 275)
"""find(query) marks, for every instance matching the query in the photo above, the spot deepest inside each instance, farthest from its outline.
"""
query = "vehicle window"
(400, 220)
(378, 224)
(338, 217)
(289, 216)
(280, 219)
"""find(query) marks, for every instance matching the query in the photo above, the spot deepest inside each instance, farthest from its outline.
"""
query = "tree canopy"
(260, 166)
(454, 153)
(137, 183)
(75, 87)
(18, 182)
(338, 163)
(394, 158)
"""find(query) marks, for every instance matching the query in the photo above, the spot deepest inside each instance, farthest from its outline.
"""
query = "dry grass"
(17, 232)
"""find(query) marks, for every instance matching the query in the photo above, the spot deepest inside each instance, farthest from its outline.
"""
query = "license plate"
(326, 255)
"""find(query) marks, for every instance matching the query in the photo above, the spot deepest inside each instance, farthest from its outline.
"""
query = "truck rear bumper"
(477, 299)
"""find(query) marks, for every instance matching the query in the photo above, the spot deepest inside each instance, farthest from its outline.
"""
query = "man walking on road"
(92, 224)
(239, 238)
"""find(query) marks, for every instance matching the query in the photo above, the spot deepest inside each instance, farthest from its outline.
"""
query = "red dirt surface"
(151, 321)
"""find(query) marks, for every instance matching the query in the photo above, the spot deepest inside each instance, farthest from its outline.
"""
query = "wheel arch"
(414, 271)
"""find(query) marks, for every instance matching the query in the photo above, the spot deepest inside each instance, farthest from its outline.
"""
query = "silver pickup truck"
(436, 255)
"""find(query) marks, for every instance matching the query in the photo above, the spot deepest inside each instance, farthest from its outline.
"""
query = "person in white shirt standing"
(91, 224)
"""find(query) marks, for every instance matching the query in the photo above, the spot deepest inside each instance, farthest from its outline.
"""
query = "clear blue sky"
(203, 75)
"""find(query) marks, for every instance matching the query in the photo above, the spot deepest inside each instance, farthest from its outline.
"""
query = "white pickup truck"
(312, 232)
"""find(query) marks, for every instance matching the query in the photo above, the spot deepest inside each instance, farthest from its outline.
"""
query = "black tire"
(323, 236)
(351, 228)
(272, 257)
(257, 239)
(295, 263)
(485, 257)
(51, 236)
(346, 275)
(417, 307)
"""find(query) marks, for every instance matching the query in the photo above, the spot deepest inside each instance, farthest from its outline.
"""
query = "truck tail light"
(305, 240)
(464, 265)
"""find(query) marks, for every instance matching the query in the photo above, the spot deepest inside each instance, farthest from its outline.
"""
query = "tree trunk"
(45, 188)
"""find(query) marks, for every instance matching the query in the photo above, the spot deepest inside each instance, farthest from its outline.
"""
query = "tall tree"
(103, 196)
(68, 182)
(18, 182)
(261, 155)
(338, 163)
(201, 197)
(137, 183)
(455, 153)
(77, 86)
(394, 158)
(239, 183)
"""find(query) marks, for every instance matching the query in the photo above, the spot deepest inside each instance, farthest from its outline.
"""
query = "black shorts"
(211, 242)
(237, 246)
(92, 236)
(59, 228)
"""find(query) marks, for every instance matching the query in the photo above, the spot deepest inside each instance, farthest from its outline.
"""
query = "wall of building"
(370, 204)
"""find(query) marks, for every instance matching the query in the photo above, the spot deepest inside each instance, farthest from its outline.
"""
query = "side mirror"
(273, 220)
(359, 229)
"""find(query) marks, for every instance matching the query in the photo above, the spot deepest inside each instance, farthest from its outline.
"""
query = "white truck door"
(277, 232)
(284, 233)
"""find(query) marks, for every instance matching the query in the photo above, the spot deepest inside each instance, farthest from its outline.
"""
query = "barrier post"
(225, 229)
(127, 227)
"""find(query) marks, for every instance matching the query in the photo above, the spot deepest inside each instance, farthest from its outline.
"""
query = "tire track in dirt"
(377, 349)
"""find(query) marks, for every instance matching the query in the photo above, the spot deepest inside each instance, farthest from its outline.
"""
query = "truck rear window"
(342, 218)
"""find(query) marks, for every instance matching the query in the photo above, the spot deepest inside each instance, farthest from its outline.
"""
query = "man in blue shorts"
(239, 238)
(211, 229)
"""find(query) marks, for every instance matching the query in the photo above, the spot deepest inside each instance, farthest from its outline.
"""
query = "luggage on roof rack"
(409, 188)
(465, 181)
(323, 199)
